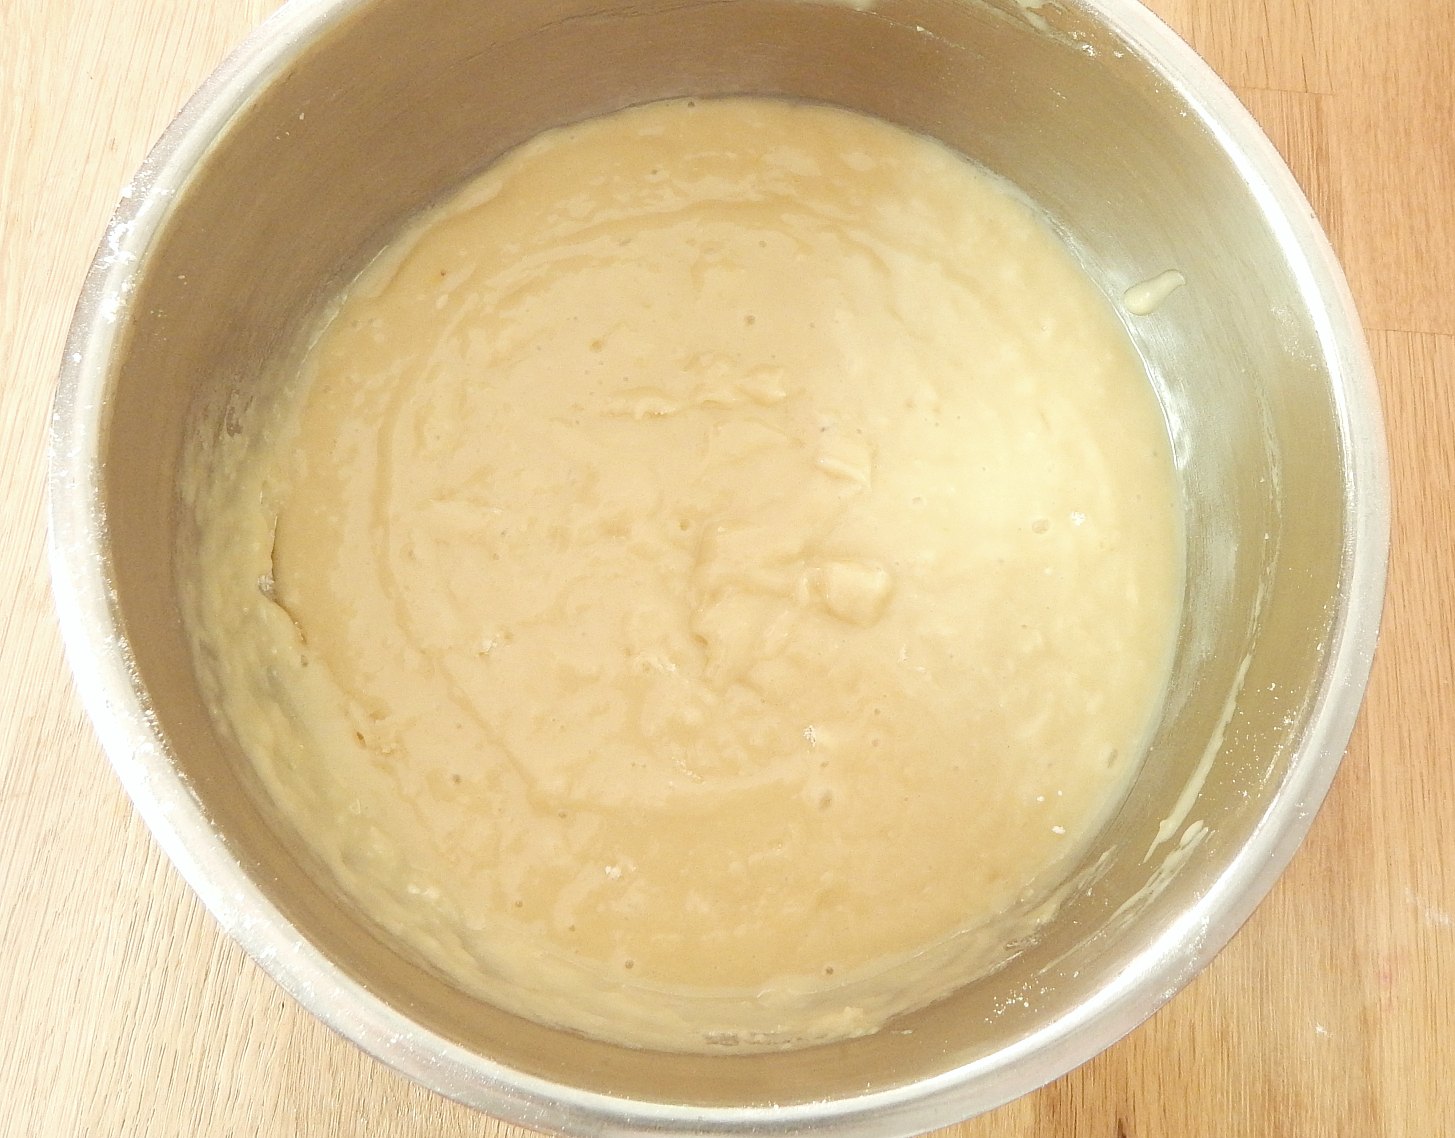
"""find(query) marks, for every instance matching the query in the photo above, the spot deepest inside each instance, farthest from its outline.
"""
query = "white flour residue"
(1430, 914)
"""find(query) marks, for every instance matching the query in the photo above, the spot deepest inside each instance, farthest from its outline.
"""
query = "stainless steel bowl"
(338, 118)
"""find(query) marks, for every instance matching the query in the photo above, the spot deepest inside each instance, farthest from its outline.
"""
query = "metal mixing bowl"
(339, 118)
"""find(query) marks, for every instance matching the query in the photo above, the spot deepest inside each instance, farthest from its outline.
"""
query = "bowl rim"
(105, 677)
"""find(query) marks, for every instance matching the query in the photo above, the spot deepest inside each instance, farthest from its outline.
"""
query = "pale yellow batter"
(706, 578)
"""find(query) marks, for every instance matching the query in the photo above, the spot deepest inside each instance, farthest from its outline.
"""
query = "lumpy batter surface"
(704, 581)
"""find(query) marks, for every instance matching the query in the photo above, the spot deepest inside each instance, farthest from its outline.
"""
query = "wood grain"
(124, 1012)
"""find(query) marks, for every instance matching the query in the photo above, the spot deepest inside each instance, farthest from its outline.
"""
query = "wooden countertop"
(124, 1012)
